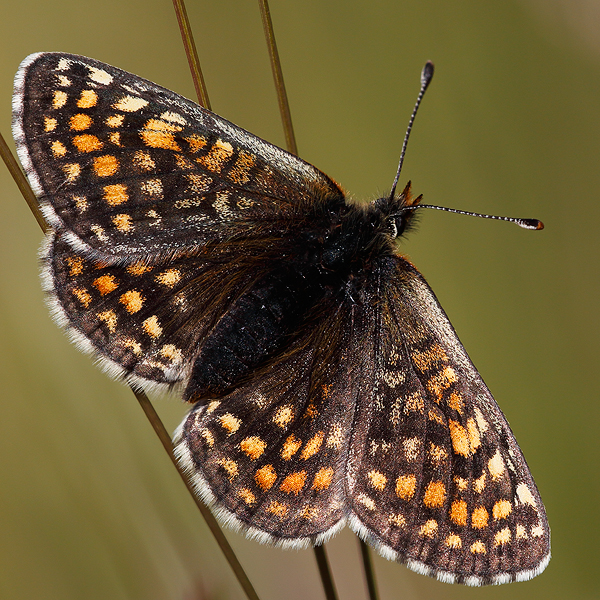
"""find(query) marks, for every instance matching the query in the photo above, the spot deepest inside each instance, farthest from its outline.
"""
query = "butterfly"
(327, 385)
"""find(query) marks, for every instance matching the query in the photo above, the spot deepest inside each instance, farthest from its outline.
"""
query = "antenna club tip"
(531, 224)
(427, 73)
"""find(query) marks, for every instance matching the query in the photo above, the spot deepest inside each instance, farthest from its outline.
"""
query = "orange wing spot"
(412, 447)
(441, 381)
(59, 99)
(217, 156)
(502, 509)
(481, 422)
(479, 518)
(132, 300)
(503, 537)
(310, 513)
(212, 406)
(429, 529)
(87, 99)
(143, 161)
(335, 437)
(122, 222)
(130, 104)
(247, 496)
(521, 532)
(196, 142)
(230, 423)
(461, 483)
(496, 466)
(414, 403)
(479, 484)
(159, 134)
(437, 454)
(152, 327)
(58, 148)
(478, 548)
(323, 479)
(473, 432)
(138, 269)
(239, 172)
(115, 194)
(106, 284)
(311, 410)
(104, 166)
(312, 446)
(109, 318)
(277, 508)
(169, 278)
(83, 296)
(397, 520)
(437, 416)
(87, 143)
(435, 494)
(99, 233)
(291, 445)
(253, 446)
(80, 122)
(377, 480)
(81, 203)
(230, 467)
(114, 137)
(456, 402)
(50, 124)
(115, 121)
(183, 163)
(453, 541)
(283, 415)
(458, 512)
(134, 346)
(72, 171)
(461, 442)
(171, 353)
(75, 265)
(405, 486)
(433, 355)
(265, 477)
(208, 437)
(293, 483)
(199, 183)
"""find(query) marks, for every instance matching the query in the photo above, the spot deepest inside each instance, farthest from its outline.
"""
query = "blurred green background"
(90, 507)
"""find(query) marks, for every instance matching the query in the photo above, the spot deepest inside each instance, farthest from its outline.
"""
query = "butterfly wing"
(436, 479)
(270, 457)
(127, 170)
(376, 417)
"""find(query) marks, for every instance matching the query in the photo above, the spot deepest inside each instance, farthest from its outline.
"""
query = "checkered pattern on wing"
(128, 170)
(436, 477)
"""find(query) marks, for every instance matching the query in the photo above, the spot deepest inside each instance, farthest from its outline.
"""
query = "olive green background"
(90, 506)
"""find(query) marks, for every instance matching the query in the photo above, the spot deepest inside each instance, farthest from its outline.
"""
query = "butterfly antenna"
(426, 76)
(524, 223)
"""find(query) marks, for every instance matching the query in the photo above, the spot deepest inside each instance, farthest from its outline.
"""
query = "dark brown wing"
(127, 170)
(436, 479)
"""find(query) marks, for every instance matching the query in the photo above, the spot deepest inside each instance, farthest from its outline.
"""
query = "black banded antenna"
(426, 77)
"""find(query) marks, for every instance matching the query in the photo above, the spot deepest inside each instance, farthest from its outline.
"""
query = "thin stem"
(325, 573)
(19, 178)
(191, 53)
(282, 99)
(369, 573)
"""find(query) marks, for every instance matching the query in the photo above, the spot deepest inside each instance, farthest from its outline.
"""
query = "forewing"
(270, 458)
(436, 478)
(144, 323)
(126, 169)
